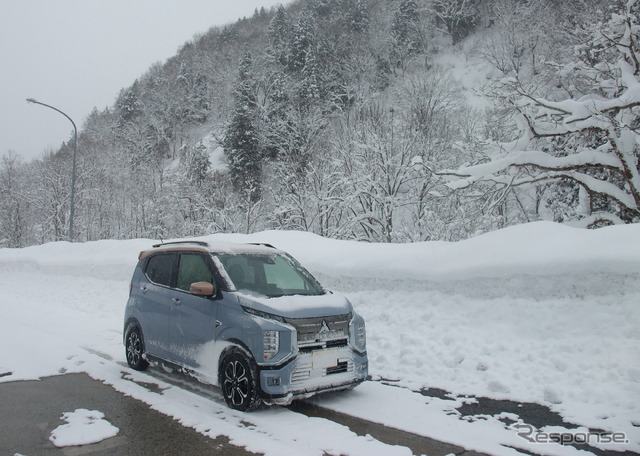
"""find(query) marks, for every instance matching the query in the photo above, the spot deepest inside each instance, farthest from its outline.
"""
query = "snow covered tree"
(52, 197)
(197, 164)
(459, 16)
(194, 95)
(128, 105)
(276, 103)
(523, 33)
(430, 106)
(375, 151)
(403, 23)
(302, 40)
(589, 138)
(241, 143)
(358, 16)
(310, 85)
(406, 34)
(300, 139)
(279, 34)
(12, 202)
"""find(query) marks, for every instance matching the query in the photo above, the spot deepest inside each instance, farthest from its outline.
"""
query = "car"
(245, 317)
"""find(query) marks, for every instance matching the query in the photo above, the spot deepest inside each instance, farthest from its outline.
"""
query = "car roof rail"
(263, 244)
(202, 243)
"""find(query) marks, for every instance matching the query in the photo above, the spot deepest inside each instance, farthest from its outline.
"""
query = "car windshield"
(270, 274)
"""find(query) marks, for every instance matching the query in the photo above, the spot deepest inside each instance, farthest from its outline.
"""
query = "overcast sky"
(77, 54)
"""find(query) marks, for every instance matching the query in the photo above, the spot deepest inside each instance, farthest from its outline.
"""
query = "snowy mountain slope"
(538, 313)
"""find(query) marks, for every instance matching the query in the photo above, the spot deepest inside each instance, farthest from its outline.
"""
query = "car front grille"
(321, 332)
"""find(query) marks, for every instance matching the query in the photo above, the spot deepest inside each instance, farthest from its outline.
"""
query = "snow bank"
(540, 248)
(535, 249)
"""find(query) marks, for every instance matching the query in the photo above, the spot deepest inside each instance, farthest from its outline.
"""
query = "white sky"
(77, 54)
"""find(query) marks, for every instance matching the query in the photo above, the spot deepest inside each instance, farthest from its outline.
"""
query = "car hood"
(298, 306)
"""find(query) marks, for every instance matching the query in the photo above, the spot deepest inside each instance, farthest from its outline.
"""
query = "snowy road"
(551, 320)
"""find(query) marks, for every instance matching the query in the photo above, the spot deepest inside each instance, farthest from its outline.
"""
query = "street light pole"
(73, 168)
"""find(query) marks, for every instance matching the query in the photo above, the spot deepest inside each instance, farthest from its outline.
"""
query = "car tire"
(134, 348)
(238, 380)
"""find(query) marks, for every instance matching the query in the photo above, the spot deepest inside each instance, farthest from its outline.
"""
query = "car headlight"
(358, 333)
(361, 334)
(261, 314)
(271, 343)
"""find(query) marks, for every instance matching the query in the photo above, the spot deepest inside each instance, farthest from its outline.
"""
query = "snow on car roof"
(218, 247)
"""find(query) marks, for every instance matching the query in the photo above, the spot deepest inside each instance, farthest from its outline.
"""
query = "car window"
(159, 269)
(193, 268)
(269, 274)
(240, 269)
(280, 272)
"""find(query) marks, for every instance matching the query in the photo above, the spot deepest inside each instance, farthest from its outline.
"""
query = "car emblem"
(325, 327)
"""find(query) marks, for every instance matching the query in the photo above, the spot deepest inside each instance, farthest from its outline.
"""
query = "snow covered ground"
(538, 313)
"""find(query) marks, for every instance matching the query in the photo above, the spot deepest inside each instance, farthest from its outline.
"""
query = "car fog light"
(273, 381)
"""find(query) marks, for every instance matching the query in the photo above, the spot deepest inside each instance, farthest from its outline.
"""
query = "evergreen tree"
(241, 144)
(302, 41)
(278, 102)
(310, 85)
(128, 104)
(197, 164)
(279, 34)
(194, 91)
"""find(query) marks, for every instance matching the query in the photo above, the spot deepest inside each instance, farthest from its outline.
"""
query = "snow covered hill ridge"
(540, 249)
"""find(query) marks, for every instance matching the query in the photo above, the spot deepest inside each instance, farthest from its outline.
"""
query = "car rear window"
(159, 268)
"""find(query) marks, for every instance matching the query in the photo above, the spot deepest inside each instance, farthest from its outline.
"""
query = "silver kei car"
(246, 317)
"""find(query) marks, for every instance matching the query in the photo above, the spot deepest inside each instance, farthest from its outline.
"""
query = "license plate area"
(323, 359)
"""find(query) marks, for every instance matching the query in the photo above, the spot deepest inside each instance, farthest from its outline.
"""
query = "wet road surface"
(31, 410)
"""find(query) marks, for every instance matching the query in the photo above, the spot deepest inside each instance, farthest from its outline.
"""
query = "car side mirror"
(202, 289)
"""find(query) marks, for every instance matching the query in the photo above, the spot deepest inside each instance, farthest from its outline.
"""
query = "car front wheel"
(134, 347)
(238, 380)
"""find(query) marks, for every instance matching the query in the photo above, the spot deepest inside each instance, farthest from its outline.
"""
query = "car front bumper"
(313, 372)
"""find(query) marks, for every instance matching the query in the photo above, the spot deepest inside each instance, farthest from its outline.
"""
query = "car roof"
(217, 248)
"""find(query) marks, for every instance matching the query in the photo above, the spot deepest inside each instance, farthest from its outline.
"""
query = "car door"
(192, 323)
(156, 302)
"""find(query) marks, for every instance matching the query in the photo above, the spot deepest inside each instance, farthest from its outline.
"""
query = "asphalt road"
(30, 410)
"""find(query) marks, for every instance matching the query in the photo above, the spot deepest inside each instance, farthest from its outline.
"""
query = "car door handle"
(176, 301)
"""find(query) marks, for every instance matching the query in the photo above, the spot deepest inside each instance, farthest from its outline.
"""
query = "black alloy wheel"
(134, 347)
(238, 380)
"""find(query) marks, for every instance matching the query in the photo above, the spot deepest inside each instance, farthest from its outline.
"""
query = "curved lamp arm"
(73, 170)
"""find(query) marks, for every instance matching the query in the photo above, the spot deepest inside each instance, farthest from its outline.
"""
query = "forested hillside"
(377, 120)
